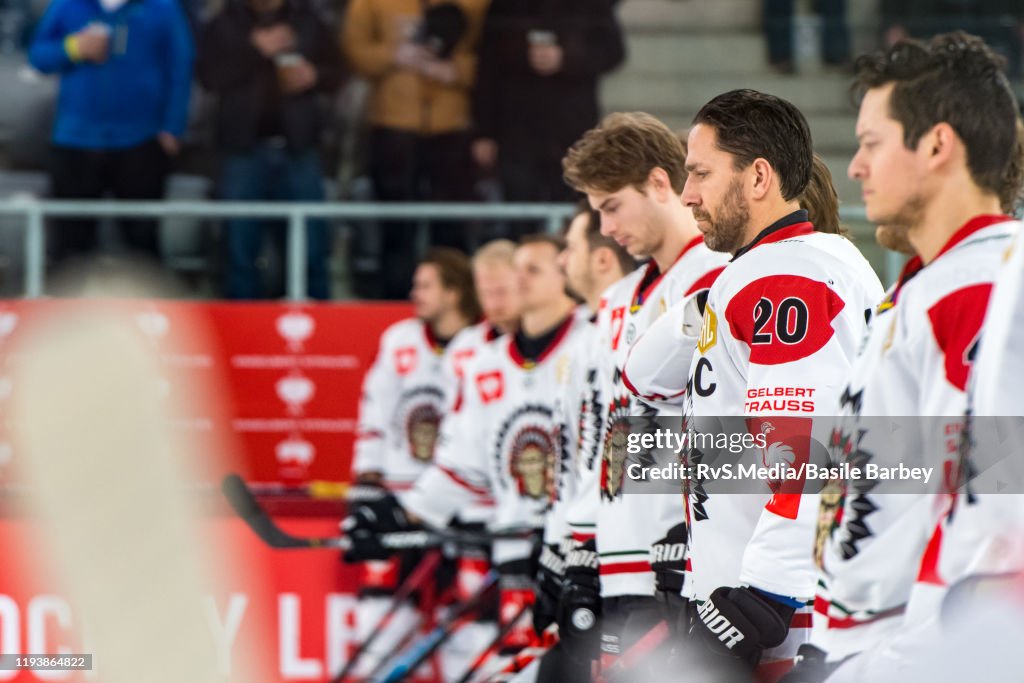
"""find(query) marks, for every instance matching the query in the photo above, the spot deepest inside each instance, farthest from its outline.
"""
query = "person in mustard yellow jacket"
(419, 57)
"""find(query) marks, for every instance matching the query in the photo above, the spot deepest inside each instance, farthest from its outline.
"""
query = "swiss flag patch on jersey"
(405, 360)
(490, 385)
(956, 323)
(783, 318)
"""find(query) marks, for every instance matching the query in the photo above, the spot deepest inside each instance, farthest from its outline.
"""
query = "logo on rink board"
(295, 328)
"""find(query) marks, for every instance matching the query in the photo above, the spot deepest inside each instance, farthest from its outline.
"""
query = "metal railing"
(35, 212)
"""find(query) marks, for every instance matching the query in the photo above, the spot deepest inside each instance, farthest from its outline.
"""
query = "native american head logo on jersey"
(532, 462)
(421, 420)
(421, 428)
(829, 514)
(613, 450)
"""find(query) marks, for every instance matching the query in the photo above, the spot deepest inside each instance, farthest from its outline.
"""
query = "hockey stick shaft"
(410, 635)
(493, 646)
(244, 503)
(417, 578)
(527, 655)
(649, 642)
(409, 661)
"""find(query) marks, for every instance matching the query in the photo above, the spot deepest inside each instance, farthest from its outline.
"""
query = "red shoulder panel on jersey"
(783, 318)
(956, 323)
(705, 281)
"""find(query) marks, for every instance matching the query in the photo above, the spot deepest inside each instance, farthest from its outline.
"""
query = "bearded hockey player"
(779, 327)
(631, 168)
(592, 263)
(658, 365)
(502, 440)
(936, 127)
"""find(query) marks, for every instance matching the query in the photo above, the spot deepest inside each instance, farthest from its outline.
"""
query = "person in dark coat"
(536, 92)
(269, 62)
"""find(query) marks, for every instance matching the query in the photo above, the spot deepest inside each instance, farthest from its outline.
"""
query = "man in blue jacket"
(125, 70)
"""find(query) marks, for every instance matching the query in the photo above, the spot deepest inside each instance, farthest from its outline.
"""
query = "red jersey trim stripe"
(626, 568)
(478, 490)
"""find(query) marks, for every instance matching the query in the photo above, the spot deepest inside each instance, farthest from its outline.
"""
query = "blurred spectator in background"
(999, 22)
(125, 70)
(536, 92)
(777, 21)
(420, 59)
(269, 61)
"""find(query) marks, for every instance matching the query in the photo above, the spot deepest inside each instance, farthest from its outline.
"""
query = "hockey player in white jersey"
(592, 263)
(494, 279)
(779, 328)
(936, 130)
(502, 439)
(407, 387)
(658, 365)
(406, 393)
(631, 168)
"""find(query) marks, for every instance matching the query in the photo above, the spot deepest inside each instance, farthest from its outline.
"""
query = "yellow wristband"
(71, 48)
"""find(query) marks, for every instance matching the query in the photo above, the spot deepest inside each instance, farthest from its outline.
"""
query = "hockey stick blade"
(245, 506)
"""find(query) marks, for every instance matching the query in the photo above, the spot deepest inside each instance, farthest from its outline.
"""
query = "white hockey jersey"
(462, 348)
(873, 544)
(627, 525)
(406, 393)
(986, 533)
(501, 440)
(781, 326)
(1000, 361)
(658, 365)
(573, 420)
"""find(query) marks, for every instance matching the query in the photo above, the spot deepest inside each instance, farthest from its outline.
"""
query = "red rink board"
(289, 614)
(286, 381)
(290, 375)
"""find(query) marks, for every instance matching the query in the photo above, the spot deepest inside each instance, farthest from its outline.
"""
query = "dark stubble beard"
(726, 234)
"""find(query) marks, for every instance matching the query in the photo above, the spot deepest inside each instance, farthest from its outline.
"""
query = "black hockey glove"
(367, 521)
(549, 587)
(579, 609)
(668, 561)
(742, 623)
(809, 666)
